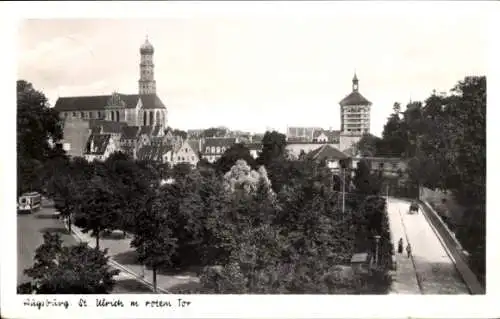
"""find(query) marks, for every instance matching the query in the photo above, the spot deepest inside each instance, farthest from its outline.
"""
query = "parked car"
(413, 207)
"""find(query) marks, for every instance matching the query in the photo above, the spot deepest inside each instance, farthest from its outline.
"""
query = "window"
(207, 150)
(183, 158)
(186, 150)
(218, 149)
(213, 149)
(223, 149)
(178, 158)
(192, 158)
(74, 114)
(394, 166)
(82, 115)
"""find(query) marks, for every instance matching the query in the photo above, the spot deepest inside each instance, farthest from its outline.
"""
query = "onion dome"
(147, 48)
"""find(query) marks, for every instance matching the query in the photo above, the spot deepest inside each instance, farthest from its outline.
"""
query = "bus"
(29, 202)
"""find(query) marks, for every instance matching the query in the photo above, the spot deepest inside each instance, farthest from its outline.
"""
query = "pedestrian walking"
(400, 246)
(408, 250)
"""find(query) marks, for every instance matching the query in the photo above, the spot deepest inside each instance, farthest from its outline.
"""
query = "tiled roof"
(107, 126)
(219, 141)
(129, 132)
(99, 102)
(195, 145)
(97, 144)
(150, 130)
(326, 152)
(156, 130)
(355, 98)
(351, 151)
(153, 152)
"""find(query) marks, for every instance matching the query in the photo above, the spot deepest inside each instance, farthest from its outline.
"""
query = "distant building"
(156, 153)
(187, 153)
(213, 148)
(390, 166)
(254, 148)
(354, 116)
(324, 136)
(75, 135)
(142, 109)
(301, 134)
(100, 147)
(331, 155)
(128, 140)
(354, 119)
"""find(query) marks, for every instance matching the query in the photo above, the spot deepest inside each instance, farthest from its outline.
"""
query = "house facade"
(99, 147)
(213, 148)
(186, 153)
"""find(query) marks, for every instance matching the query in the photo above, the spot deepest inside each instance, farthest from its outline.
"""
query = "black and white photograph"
(309, 152)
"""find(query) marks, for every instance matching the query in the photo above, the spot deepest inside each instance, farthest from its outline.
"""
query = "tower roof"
(355, 98)
(147, 47)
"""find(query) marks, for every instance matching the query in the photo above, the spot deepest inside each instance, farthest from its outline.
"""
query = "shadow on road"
(46, 216)
(130, 286)
(191, 271)
(116, 235)
(126, 258)
(187, 288)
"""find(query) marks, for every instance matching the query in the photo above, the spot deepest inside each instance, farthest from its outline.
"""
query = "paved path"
(30, 229)
(430, 270)
(123, 256)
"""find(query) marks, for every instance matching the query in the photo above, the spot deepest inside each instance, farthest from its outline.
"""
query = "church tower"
(147, 83)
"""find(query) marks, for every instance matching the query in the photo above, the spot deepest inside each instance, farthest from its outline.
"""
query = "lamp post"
(343, 190)
(377, 239)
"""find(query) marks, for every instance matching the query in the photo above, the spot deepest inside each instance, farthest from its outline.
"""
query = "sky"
(262, 69)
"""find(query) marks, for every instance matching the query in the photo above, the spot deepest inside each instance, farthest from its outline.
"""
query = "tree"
(242, 177)
(180, 133)
(396, 108)
(70, 270)
(61, 185)
(154, 241)
(273, 147)
(365, 181)
(368, 145)
(232, 155)
(99, 206)
(37, 127)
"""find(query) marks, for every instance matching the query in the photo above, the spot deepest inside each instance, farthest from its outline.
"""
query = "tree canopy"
(76, 269)
(38, 129)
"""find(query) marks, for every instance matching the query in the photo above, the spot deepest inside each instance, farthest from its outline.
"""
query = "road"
(435, 270)
(30, 229)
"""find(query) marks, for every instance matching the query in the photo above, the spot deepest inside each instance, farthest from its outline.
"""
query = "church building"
(142, 109)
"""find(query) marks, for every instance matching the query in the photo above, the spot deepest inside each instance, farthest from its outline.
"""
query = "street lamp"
(377, 239)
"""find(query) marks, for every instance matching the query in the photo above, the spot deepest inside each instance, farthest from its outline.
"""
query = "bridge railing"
(454, 248)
